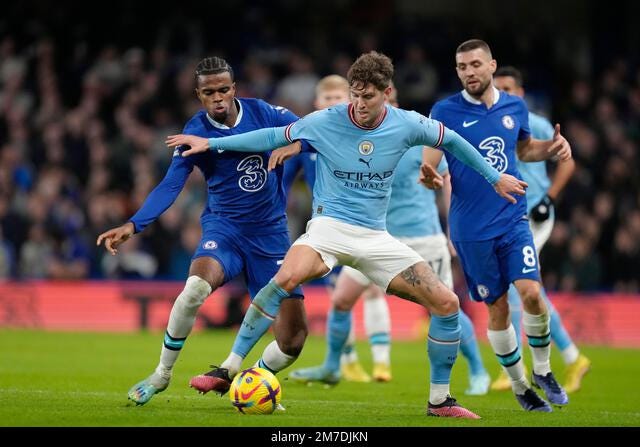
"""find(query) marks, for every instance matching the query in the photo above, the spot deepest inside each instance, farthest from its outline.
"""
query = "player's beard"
(479, 91)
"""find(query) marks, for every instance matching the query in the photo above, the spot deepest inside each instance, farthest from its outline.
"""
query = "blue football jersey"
(477, 213)
(413, 211)
(535, 172)
(239, 186)
(356, 165)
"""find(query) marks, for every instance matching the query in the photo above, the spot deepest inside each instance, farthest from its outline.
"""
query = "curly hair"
(371, 68)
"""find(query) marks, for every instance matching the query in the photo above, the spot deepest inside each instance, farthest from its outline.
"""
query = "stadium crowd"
(83, 123)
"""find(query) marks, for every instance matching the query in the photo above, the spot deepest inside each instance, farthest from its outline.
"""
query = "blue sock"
(515, 308)
(259, 316)
(338, 327)
(442, 346)
(469, 345)
(559, 334)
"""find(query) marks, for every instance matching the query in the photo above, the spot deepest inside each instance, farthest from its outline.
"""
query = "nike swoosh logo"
(470, 123)
(247, 395)
(526, 270)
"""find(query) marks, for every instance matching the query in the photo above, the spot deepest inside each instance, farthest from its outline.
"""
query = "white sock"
(376, 315)
(438, 392)
(377, 325)
(537, 329)
(274, 359)
(570, 354)
(182, 318)
(504, 343)
(233, 363)
(382, 354)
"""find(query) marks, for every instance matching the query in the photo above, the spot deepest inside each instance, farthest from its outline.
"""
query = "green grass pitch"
(52, 379)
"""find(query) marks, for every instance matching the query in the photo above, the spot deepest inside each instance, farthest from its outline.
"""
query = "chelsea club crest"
(507, 122)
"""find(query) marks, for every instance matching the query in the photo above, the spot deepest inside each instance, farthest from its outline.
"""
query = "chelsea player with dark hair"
(493, 238)
(244, 226)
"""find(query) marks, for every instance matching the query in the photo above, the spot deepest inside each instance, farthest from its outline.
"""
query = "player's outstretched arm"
(116, 236)
(261, 140)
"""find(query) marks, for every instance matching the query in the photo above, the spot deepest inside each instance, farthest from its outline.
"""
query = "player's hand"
(429, 177)
(508, 185)
(542, 210)
(280, 155)
(197, 144)
(116, 236)
(560, 148)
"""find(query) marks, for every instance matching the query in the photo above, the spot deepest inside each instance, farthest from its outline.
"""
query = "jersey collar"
(216, 124)
(472, 100)
(379, 121)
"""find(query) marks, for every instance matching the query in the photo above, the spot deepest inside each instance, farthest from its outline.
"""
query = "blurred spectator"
(84, 113)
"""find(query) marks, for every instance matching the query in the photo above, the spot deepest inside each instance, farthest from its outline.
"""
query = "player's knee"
(343, 302)
(288, 279)
(195, 291)
(530, 295)
(448, 304)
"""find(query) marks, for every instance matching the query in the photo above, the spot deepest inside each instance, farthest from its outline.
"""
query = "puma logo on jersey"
(469, 124)
(366, 162)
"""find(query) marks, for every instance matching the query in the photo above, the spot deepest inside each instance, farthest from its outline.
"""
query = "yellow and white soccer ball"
(255, 391)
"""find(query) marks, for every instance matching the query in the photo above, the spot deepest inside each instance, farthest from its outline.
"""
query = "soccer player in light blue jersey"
(330, 91)
(492, 238)
(541, 195)
(359, 146)
(244, 226)
(412, 217)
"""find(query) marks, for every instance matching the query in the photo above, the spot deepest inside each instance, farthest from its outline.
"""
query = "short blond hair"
(332, 82)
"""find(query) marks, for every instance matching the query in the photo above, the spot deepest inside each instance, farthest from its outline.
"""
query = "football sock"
(469, 345)
(349, 353)
(377, 325)
(537, 329)
(273, 359)
(259, 317)
(181, 320)
(338, 327)
(442, 349)
(506, 348)
(559, 333)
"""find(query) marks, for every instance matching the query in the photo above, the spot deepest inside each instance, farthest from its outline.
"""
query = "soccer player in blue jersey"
(244, 226)
(359, 146)
(412, 218)
(492, 238)
(541, 195)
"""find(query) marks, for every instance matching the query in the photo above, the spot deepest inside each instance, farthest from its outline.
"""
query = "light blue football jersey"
(535, 172)
(476, 212)
(356, 165)
(412, 207)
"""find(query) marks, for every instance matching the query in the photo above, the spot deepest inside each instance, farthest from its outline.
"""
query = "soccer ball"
(255, 391)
